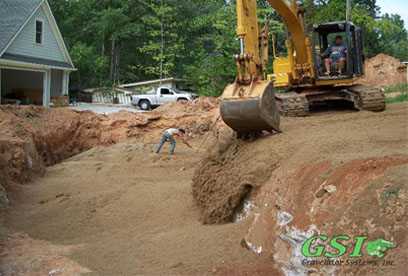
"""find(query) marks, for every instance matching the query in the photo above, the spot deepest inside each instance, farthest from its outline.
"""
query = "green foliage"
(403, 97)
(384, 34)
(215, 66)
(402, 87)
(394, 37)
(88, 64)
(117, 41)
(161, 14)
(400, 98)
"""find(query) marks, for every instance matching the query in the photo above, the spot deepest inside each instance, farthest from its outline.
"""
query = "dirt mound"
(383, 71)
(32, 138)
(219, 185)
(322, 175)
(35, 257)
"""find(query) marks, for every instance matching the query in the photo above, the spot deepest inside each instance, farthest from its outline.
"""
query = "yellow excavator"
(250, 105)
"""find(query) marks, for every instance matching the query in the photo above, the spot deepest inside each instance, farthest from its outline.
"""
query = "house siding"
(25, 44)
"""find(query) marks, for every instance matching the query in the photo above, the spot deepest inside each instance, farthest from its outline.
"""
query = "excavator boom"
(292, 15)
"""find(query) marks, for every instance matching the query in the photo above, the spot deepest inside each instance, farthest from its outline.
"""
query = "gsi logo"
(313, 248)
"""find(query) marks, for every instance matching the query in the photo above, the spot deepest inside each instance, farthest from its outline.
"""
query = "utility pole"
(348, 11)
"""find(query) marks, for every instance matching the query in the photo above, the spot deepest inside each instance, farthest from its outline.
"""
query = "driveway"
(104, 109)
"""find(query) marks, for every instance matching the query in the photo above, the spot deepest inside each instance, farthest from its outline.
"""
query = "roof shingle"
(13, 14)
(39, 61)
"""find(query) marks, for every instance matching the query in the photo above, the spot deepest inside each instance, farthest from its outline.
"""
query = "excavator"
(255, 101)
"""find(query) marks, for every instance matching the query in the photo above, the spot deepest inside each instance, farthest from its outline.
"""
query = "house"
(34, 61)
(144, 86)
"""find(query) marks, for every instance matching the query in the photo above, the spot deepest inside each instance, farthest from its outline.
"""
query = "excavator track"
(292, 104)
(371, 99)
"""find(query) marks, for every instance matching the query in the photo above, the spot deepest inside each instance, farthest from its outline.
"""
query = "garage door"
(22, 87)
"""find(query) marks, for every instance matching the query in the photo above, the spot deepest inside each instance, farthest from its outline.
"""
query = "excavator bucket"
(250, 108)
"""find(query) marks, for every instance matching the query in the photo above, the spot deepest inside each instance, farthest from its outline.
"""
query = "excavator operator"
(336, 52)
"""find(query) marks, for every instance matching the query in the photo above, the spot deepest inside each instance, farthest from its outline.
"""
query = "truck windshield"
(177, 91)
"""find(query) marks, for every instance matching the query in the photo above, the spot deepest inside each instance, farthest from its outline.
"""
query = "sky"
(395, 6)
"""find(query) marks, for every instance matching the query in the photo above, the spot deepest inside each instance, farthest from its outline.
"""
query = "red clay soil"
(384, 71)
(20, 248)
(340, 174)
(32, 138)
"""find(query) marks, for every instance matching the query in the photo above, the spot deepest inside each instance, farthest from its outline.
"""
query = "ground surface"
(121, 210)
(126, 211)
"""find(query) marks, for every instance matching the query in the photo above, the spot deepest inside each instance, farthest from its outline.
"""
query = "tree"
(114, 41)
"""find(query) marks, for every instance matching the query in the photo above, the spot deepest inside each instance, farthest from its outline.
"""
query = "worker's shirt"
(337, 51)
(173, 131)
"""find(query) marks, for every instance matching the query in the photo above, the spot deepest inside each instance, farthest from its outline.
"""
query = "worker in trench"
(169, 134)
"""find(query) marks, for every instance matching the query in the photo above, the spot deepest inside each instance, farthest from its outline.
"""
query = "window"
(39, 26)
(165, 91)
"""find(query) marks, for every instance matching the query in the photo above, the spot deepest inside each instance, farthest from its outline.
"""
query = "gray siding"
(25, 44)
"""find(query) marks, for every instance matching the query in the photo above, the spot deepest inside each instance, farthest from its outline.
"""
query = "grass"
(402, 87)
(399, 98)
(403, 97)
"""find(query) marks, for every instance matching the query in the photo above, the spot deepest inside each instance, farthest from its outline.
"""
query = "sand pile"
(383, 71)
(220, 184)
(32, 138)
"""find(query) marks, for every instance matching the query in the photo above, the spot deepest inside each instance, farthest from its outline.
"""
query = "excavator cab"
(323, 36)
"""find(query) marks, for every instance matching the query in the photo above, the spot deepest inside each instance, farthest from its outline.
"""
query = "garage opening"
(21, 87)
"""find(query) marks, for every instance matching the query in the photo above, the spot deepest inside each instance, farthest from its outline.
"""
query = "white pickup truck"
(160, 96)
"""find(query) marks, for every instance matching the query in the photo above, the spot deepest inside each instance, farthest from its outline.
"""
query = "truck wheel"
(144, 105)
(182, 99)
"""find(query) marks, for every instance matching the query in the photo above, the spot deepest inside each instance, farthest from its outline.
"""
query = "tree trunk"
(309, 15)
(115, 53)
(103, 48)
(117, 64)
(113, 63)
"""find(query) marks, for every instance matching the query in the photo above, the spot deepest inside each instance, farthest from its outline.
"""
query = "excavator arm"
(292, 15)
(248, 105)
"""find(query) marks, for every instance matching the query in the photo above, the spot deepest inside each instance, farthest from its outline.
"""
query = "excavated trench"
(33, 138)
